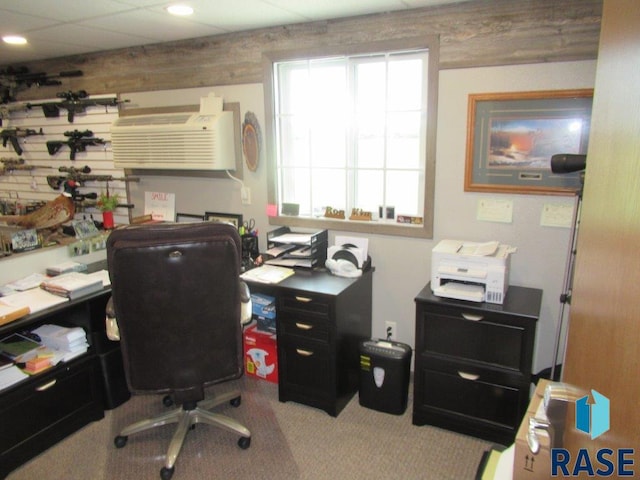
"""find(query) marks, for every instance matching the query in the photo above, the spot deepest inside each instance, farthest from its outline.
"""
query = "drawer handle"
(304, 299)
(468, 376)
(472, 317)
(46, 386)
(304, 326)
(304, 353)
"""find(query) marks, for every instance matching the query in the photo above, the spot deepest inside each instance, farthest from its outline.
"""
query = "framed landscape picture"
(511, 138)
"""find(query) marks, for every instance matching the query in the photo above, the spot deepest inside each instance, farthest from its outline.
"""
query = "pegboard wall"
(22, 187)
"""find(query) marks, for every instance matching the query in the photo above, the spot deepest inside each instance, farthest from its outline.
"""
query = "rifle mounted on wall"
(74, 102)
(78, 142)
(12, 80)
(12, 135)
(12, 164)
(81, 175)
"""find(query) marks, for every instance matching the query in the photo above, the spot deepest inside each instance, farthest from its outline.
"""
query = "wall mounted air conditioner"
(178, 141)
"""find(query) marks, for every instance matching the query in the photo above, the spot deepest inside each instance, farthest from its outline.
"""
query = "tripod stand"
(565, 296)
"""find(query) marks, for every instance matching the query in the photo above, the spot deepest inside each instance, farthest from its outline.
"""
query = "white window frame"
(424, 230)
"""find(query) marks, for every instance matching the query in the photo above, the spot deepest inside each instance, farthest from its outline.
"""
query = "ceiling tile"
(160, 27)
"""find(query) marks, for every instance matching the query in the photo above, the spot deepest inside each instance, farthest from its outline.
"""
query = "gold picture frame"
(512, 136)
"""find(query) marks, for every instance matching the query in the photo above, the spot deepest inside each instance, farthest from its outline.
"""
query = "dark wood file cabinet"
(43, 409)
(320, 320)
(473, 362)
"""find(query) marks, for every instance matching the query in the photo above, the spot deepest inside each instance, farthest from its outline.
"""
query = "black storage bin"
(384, 375)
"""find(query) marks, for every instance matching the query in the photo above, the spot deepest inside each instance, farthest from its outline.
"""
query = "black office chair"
(176, 296)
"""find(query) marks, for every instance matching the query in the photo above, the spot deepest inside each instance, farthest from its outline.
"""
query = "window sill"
(379, 228)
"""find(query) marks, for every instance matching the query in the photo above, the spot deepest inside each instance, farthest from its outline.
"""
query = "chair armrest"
(113, 332)
(245, 306)
(245, 294)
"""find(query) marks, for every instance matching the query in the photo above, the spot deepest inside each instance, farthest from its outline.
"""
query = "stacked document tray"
(307, 249)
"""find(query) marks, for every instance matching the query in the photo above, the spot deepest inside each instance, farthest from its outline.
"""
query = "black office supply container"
(384, 375)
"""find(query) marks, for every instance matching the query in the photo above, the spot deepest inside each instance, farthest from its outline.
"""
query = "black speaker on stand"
(567, 163)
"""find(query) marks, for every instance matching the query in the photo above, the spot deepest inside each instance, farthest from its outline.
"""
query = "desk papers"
(11, 375)
(36, 299)
(72, 285)
(267, 274)
(9, 313)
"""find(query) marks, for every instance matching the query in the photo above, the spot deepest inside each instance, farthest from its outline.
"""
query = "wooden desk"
(320, 320)
(40, 411)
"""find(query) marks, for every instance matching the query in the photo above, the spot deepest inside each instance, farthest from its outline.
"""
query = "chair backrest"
(176, 297)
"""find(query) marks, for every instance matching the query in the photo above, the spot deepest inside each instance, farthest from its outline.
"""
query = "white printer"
(478, 272)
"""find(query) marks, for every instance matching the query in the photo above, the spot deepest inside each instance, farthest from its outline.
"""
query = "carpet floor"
(289, 441)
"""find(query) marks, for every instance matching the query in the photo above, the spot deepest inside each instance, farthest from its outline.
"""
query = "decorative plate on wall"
(251, 140)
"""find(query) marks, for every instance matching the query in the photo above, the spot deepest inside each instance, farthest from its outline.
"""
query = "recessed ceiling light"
(181, 10)
(14, 39)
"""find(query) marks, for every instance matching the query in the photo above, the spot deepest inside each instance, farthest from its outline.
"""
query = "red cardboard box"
(260, 354)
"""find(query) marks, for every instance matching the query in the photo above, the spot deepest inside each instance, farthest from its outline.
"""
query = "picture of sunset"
(531, 142)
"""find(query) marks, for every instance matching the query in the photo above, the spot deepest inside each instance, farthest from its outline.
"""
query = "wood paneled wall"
(604, 329)
(474, 33)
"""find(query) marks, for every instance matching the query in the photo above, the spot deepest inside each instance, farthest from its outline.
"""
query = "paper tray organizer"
(297, 248)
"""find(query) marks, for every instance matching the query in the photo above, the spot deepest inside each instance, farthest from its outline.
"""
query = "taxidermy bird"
(51, 215)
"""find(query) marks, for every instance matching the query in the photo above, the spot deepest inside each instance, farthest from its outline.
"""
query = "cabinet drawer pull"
(304, 299)
(304, 326)
(472, 317)
(46, 386)
(303, 353)
(468, 376)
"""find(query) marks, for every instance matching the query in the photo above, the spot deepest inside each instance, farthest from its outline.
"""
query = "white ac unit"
(178, 141)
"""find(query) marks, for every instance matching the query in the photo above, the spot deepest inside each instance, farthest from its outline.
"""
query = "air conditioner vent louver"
(154, 120)
(181, 141)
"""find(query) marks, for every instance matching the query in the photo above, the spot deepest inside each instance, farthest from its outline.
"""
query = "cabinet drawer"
(454, 395)
(305, 303)
(304, 326)
(48, 399)
(480, 338)
(305, 367)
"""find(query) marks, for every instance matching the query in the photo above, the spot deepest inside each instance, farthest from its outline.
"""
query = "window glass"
(352, 132)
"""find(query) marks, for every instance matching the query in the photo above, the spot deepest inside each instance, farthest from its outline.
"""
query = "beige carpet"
(290, 441)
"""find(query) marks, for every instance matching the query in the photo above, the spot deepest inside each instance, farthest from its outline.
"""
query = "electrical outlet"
(245, 194)
(390, 330)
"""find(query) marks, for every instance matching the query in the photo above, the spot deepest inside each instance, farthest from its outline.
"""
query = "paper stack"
(11, 375)
(72, 285)
(69, 342)
(66, 267)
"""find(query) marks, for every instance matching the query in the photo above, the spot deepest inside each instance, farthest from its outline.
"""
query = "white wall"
(403, 264)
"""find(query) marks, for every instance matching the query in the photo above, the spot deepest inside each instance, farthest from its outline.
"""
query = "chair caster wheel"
(235, 402)
(120, 441)
(166, 473)
(167, 401)
(244, 442)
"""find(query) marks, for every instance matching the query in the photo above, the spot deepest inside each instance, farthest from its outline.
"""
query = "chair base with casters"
(187, 416)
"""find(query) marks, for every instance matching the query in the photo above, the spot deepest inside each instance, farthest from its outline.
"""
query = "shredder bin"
(384, 375)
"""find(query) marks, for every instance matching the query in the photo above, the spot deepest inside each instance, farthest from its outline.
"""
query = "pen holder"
(250, 246)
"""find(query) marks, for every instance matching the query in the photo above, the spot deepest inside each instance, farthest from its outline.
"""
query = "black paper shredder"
(384, 375)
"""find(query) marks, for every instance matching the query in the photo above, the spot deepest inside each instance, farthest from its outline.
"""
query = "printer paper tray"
(461, 291)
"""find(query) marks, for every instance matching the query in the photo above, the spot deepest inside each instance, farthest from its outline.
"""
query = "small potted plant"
(107, 203)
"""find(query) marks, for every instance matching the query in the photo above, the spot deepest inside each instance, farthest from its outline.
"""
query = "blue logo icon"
(592, 418)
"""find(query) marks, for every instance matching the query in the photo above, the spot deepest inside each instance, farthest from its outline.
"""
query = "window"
(353, 129)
